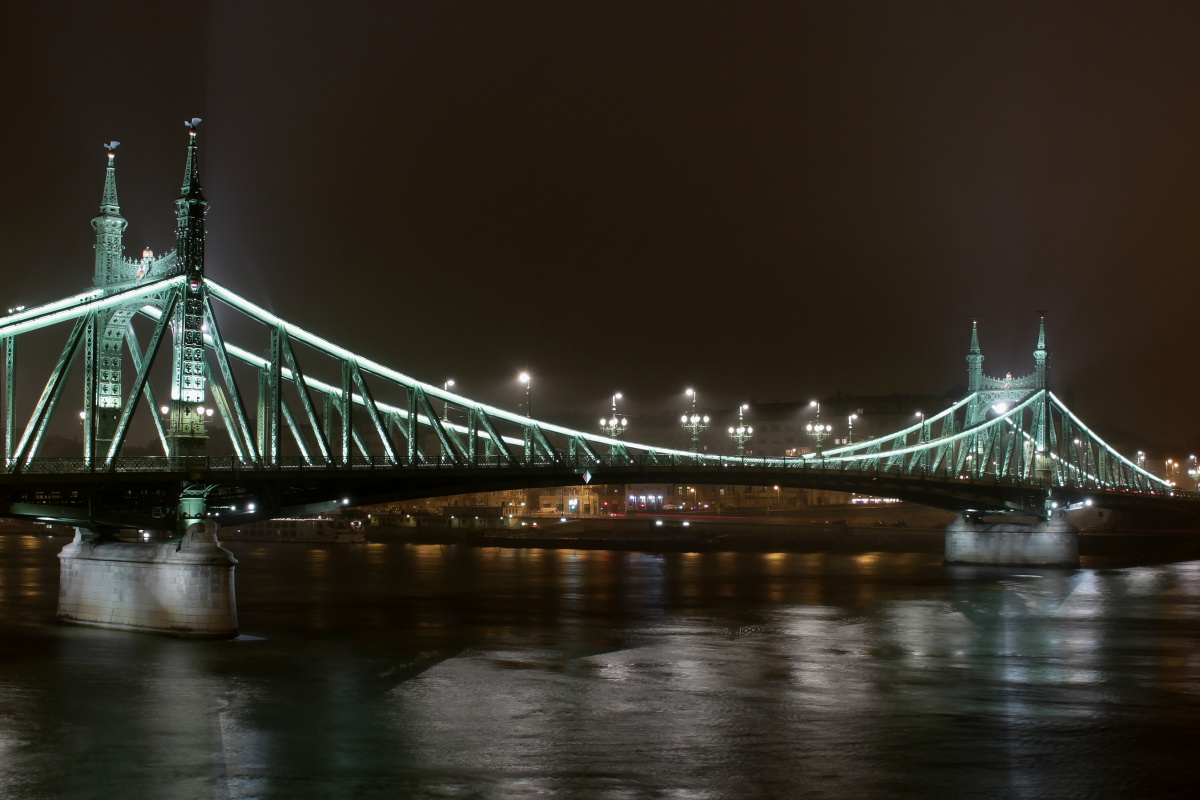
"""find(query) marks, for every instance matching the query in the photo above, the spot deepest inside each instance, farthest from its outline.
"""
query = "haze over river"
(391, 670)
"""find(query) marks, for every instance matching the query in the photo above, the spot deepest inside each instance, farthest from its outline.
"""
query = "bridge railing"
(579, 463)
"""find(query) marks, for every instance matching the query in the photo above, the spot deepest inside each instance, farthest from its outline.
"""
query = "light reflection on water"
(390, 670)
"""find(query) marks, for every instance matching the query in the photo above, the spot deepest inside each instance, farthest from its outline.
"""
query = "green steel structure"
(340, 428)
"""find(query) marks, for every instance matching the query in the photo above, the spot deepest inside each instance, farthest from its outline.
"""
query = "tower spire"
(187, 434)
(110, 225)
(190, 209)
(974, 360)
(1040, 355)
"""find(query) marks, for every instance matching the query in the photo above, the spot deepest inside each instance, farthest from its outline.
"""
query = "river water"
(389, 670)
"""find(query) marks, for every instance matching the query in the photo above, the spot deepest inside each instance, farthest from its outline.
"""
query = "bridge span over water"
(313, 426)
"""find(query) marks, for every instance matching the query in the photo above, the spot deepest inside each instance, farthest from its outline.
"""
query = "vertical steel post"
(327, 417)
(91, 345)
(275, 413)
(10, 392)
(413, 449)
(472, 437)
(264, 391)
(347, 403)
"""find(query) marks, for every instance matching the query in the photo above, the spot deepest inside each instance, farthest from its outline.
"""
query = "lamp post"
(614, 426)
(446, 403)
(694, 423)
(850, 427)
(528, 381)
(742, 433)
(1194, 471)
(815, 429)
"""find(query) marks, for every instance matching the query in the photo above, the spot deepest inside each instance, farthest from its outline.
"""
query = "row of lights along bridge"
(696, 423)
(693, 422)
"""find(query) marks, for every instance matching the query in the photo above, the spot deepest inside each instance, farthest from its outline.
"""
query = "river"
(390, 670)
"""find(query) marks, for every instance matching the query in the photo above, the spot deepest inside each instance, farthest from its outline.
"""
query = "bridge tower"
(187, 434)
(103, 395)
(1042, 465)
(109, 226)
(974, 373)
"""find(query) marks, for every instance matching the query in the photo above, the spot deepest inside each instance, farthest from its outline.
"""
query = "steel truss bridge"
(313, 426)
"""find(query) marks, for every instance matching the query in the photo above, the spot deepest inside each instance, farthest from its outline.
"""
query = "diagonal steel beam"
(135, 355)
(355, 437)
(297, 434)
(373, 413)
(140, 381)
(223, 408)
(235, 397)
(583, 443)
(32, 438)
(540, 438)
(447, 446)
(305, 400)
(485, 422)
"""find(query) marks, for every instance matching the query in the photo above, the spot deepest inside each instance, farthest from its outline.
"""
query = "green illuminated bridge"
(314, 426)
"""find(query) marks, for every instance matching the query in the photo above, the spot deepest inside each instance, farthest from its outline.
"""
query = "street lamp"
(850, 426)
(694, 423)
(525, 379)
(615, 425)
(815, 429)
(743, 432)
(446, 403)
(1170, 468)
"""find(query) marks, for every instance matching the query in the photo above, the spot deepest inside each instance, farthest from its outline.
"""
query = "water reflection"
(426, 671)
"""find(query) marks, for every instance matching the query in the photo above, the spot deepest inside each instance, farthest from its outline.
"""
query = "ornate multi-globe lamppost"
(818, 431)
(615, 425)
(694, 423)
(743, 432)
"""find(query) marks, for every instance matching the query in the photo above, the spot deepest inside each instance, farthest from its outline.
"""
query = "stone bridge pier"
(183, 587)
(1049, 543)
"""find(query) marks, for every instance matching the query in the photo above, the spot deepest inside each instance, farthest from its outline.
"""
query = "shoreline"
(796, 536)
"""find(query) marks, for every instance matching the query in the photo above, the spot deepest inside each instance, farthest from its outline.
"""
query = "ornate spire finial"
(109, 206)
(974, 336)
(1042, 332)
(191, 171)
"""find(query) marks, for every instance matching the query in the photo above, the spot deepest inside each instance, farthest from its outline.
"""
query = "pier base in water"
(1045, 544)
(183, 588)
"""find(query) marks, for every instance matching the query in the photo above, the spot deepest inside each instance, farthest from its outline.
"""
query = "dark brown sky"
(764, 200)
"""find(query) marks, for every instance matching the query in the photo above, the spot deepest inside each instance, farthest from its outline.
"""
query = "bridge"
(312, 426)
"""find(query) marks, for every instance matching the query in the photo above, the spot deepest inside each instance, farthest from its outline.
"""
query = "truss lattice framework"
(342, 421)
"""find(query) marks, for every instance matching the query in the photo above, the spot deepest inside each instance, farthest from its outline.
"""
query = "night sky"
(768, 201)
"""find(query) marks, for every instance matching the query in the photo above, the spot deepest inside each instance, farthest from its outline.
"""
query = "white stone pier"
(1044, 544)
(182, 588)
